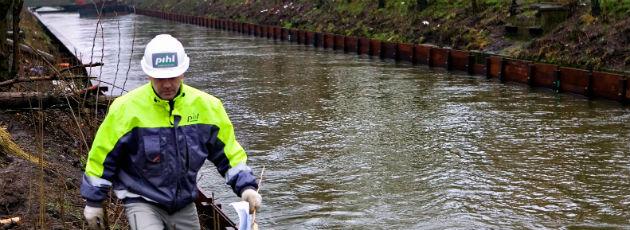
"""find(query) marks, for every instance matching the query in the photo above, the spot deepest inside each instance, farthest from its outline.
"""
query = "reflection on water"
(350, 142)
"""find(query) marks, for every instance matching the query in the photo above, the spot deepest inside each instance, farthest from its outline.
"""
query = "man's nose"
(168, 84)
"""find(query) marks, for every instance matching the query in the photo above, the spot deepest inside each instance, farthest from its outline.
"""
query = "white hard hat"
(164, 57)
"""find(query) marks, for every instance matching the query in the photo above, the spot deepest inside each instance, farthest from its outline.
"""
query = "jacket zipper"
(176, 120)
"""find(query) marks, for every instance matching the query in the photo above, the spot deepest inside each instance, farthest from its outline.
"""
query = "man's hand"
(253, 198)
(94, 217)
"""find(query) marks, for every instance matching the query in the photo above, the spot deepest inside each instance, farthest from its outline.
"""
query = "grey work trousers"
(146, 216)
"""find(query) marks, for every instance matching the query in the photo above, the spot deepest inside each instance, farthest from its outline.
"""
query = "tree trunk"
(17, 9)
(5, 7)
(19, 100)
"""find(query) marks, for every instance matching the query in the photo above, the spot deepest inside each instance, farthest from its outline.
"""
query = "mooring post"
(488, 76)
(414, 57)
(383, 49)
(502, 70)
(429, 57)
(589, 84)
(470, 66)
(624, 90)
(556, 80)
(530, 72)
(449, 60)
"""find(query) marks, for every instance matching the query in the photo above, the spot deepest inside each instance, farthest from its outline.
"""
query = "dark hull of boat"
(211, 216)
(108, 8)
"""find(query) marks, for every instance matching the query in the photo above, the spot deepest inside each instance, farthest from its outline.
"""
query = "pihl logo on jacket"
(193, 118)
(164, 60)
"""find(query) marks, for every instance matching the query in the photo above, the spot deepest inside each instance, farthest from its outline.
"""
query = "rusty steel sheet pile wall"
(592, 84)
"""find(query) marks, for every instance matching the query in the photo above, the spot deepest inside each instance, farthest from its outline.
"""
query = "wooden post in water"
(530, 72)
(502, 70)
(429, 62)
(624, 91)
(488, 75)
(383, 50)
(449, 60)
(589, 84)
(556, 80)
(470, 66)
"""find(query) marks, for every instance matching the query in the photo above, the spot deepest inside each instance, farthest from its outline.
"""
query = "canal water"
(350, 142)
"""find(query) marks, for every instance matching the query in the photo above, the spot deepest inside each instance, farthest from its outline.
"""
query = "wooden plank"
(438, 57)
(309, 38)
(405, 52)
(339, 42)
(607, 85)
(422, 54)
(375, 48)
(459, 60)
(301, 36)
(515, 71)
(479, 69)
(389, 50)
(493, 67)
(284, 34)
(574, 80)
(319, 40)
(248, 29)
(350, 45)
(269, 32)
(328, 41)
(266, 32)
(543, 75)
(258, 31)
(364, 46)
(277, 33)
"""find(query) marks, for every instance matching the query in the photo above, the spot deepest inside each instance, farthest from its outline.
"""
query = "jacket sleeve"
(229, 156)
(100, 164)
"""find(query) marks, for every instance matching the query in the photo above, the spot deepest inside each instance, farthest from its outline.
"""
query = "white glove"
(94, 217)
(253, 198)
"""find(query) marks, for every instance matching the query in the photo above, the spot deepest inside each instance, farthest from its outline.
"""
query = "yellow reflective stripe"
(212, 112)
(233, 150)
(106, 137)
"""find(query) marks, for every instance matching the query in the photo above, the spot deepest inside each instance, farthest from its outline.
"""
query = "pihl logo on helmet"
(164, 60)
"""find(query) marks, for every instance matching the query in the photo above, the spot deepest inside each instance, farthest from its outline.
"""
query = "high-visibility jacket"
(151, 149)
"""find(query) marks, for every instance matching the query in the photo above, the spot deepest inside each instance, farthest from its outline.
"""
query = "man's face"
(166, 88)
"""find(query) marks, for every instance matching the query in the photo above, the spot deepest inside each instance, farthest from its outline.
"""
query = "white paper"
(244, 218)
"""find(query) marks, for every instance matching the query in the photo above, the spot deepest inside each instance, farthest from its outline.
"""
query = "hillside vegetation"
(577, 39)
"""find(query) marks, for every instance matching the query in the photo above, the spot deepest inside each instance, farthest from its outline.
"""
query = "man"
(153, 142)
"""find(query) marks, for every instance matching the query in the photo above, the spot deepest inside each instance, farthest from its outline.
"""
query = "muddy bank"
(578, 40)
(45, 197)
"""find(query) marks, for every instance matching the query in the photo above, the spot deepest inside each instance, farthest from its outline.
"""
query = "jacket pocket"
(196, 151)
(153, 156)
